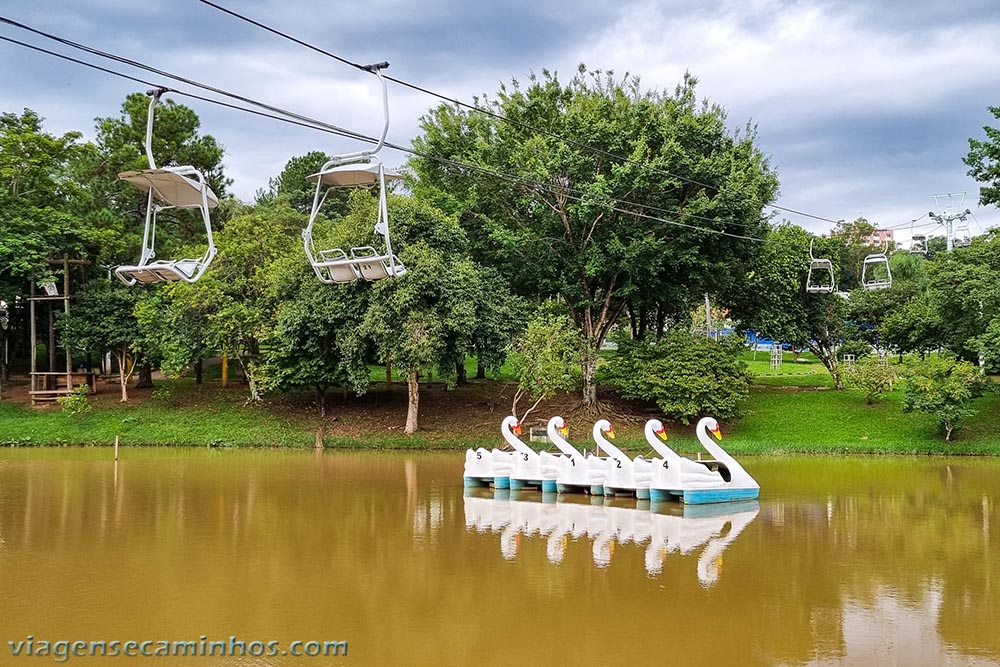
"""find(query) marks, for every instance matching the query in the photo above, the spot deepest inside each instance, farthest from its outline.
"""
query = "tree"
(943, 388)
(39, 198)
(425, 318)
(317, 341)
(965, 293)
(585, 226)
(774, 302)
(541, 359)
(983, 161)
(292, 183)
(689, 376)
(103, 318)
(872, 377)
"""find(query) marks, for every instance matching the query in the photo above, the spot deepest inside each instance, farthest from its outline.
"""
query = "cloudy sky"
(864, 107)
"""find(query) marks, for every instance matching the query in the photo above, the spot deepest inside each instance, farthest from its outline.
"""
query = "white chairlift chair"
(359, 169)
(875, 271)
(168, 188)
(820, 279)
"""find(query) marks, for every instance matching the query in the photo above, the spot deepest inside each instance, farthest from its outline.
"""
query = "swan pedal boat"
(623, 476)
(523, 468)
(718, 480)
(576, 473)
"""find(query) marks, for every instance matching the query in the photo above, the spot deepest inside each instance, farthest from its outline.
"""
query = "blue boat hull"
(705, 496)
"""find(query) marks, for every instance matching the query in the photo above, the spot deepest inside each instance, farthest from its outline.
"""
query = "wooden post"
(225, 370)
(69, 356)
(34, 335)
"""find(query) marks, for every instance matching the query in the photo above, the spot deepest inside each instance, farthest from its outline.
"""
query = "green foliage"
(40, 197)
(75, 403)
(687, 376)
(571, 237)
(871, 377)
(943, 388)
(542, 359)
(291, 184)
(773, 299)
(983, 161)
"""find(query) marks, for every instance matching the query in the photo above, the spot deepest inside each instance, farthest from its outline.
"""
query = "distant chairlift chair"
(918, 244)
(875, 271)
(820, 279)
(168, 188)
(362, 168)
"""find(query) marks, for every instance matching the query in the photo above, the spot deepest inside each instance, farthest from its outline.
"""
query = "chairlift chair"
(168, 188)
(962, 235)
(875, 271)
(819, 271)
(359, 169)
(918, 244)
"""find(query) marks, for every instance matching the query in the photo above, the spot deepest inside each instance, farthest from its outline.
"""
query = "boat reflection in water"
(664, 528)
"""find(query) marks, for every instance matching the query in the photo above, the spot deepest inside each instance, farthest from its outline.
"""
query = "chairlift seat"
(871, 282)
(353, 175)
(338, 267)
(822, 267)
(166, 271)
(171, 186)
(374, 266)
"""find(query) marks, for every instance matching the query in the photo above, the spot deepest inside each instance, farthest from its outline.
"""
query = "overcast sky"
(863, 107)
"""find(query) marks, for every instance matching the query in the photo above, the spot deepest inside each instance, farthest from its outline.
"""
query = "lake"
(254, 555)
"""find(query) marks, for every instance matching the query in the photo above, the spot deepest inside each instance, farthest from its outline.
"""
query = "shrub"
(75, 403)
(687, 376)
(870, 376)
(943, 388)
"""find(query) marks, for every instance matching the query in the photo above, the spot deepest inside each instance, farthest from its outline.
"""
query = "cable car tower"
(948, 203)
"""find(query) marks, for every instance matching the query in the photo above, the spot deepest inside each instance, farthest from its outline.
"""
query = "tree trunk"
(413, 404)
(588, 362)
(480, 368)
(145, 380)
(198, 370)
(321, 399)
(388, 371)
(463, 376)
(123, 375)
(947, 432)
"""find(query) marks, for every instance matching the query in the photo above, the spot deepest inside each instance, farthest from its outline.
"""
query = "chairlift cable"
(305, 121)
(487, 112)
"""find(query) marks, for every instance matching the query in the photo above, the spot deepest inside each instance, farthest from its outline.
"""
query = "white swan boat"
(576, 472)
(717, 480)
(623, 476)
(531, 469)
(484, 467)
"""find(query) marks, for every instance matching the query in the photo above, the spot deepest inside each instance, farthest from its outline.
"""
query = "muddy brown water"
(842, 561)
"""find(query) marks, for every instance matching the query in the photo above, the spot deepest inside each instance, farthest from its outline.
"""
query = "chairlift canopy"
(170, 187)
(354, 175)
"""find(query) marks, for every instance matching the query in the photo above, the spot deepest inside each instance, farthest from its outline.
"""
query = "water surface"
(858, 561)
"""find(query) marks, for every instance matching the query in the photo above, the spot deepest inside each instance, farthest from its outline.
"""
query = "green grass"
(802, 414)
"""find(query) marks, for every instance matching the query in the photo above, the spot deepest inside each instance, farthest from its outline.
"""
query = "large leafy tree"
(425, 319)
(983, 161)
(39, 197)
(965, 292)
(563, 215)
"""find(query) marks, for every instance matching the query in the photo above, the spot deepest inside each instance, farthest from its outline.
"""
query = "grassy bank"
(800, 416)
